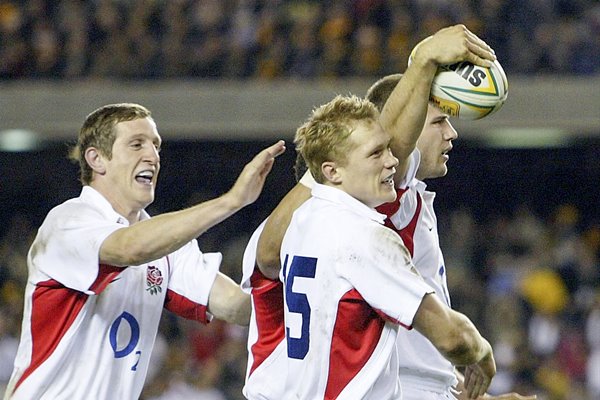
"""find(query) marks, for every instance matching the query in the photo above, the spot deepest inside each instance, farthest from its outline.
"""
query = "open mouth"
(389, 180)
(145, 177)
(445, 153)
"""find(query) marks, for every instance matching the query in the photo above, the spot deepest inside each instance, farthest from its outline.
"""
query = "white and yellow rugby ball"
(467, 91)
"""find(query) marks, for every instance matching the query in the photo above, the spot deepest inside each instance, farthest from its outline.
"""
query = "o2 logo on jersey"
(297, 302)
(121, 345)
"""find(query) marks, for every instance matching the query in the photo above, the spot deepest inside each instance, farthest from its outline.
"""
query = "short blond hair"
(98, 132)
(324, 136)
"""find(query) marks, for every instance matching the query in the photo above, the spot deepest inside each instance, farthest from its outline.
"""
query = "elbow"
(268, 264)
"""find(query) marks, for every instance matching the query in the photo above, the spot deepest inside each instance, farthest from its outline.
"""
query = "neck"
(131, 214)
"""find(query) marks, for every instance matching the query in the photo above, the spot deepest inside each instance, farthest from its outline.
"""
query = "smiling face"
(345, 147)
(434, 144)
(367, 173)
(128, 177)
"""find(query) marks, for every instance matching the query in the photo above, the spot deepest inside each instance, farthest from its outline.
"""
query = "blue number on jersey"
(134, 328)
(304, 267)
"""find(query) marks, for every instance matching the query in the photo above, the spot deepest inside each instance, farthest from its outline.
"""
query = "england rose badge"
(154, 279)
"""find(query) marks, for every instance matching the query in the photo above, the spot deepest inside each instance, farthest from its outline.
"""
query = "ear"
(95, 160)
(331, 172)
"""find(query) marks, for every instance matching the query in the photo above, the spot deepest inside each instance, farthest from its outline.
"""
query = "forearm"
(404, 113)
(468, 347)
(228, 302)
(452, 333)
(161, 235)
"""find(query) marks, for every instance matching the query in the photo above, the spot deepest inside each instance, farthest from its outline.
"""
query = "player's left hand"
(453, 44)
(250, 182)
(479, 376)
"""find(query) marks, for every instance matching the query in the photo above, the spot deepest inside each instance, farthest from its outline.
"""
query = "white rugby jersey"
(412, 216)
(266, 369)
(88, 329)
(348, 284)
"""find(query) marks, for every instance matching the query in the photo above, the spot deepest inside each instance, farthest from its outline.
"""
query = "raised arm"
(404, 112)
(158, 236)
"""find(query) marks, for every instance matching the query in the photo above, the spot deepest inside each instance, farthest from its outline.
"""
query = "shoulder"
(72, 212)
(76, 206)
(381, 244)
(343, 219)
(375, 234)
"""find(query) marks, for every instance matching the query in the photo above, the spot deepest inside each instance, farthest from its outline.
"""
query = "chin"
(388, 198)
(440, 172)
(146, 201)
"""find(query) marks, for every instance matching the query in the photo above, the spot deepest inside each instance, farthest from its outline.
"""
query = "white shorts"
(422, 388)
(412, 393)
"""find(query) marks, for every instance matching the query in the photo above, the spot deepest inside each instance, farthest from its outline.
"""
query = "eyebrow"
(142, 135)
(440, 118)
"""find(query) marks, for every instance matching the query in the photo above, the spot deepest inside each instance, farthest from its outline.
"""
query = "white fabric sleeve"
(192, 273)
(67, 246)
(307, 180)
(380, 268)
(249, 258)
(411, 173)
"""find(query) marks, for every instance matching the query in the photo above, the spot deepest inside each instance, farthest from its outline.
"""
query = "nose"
(152, 156)
(391, 161)
(449, 132)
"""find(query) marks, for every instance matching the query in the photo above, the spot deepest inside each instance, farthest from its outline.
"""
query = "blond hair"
(323, 137)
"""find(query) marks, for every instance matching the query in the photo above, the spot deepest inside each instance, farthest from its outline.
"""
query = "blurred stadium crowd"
(147, 39)
(530, 282)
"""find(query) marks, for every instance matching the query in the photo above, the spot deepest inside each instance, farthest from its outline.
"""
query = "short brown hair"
(323, 137)
(381, 90)
(98, 131)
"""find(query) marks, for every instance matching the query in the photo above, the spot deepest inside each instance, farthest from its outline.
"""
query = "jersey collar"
(345, 200)
(95, 198)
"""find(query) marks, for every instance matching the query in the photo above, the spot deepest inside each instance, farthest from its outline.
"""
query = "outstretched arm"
(404, 113)
(161, 235)
(457, 339)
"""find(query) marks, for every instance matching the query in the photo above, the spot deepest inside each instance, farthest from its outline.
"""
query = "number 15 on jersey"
(298, 325)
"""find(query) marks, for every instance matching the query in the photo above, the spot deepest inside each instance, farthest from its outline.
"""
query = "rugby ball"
(467, 91)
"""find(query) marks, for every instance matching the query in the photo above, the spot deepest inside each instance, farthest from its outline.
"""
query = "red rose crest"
(154, 279)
